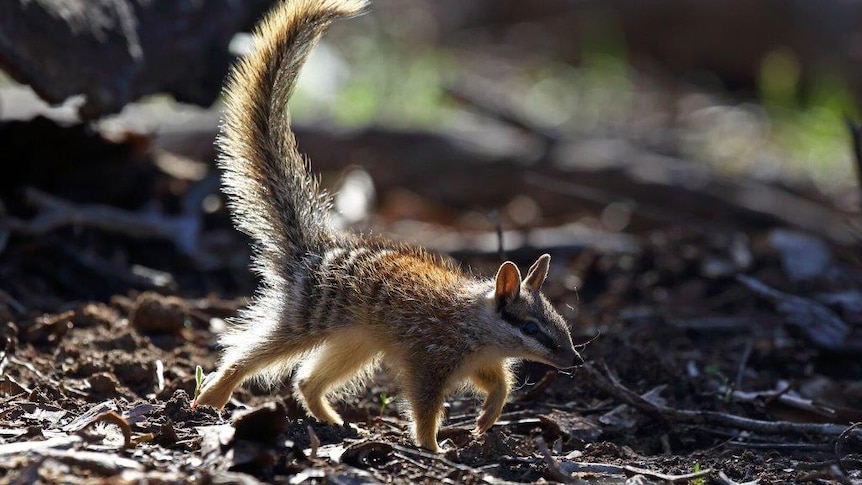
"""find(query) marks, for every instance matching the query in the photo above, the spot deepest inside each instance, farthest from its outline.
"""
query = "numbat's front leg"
(495, 382)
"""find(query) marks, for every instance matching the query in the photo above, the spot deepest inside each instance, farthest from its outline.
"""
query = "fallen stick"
(554, 468)
(725, 480)
(609, 384)
(562, 471)
(628, 470)
(57, 213)
(439, 458)
(820, 325)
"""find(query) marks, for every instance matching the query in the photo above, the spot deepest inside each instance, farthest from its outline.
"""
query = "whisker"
(584, 345)
(525, 384)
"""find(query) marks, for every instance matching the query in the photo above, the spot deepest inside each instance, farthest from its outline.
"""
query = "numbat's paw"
(485, 422)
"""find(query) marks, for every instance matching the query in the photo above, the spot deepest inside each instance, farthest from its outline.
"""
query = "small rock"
(103, 384)
(155, 313)
(803, 257)
(560, 423)
(261, 424)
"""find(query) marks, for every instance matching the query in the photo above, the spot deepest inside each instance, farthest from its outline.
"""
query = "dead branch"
(785, 447)
(820, 325)
(608, 383)
(479, 98)
(783, 397)
(57, 213)
(183, 229)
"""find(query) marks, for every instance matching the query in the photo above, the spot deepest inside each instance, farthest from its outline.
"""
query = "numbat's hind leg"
(342, 357)
(249, 356)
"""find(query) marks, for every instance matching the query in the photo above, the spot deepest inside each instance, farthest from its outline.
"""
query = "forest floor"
(716, 353)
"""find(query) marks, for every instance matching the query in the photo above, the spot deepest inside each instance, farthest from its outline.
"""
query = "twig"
(498, 226)
(109, 271)
(426, 468)
(9, 300)
(610, 385)
(113, 417)
(554, 468)
(839, 445)
(725, 480)
(743, 362)
(784, 397)
(778, 446)
(628, 470)
(315, 442)
(668, 478)
(441, 459)
(540, 386)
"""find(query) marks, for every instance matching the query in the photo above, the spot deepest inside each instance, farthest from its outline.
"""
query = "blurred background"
(569, 125)
(758, 90)
(752, 88)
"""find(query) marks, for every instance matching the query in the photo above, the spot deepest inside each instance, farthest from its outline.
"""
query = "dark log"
(116, 51)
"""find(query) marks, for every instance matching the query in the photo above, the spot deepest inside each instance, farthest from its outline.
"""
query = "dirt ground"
(715, 354)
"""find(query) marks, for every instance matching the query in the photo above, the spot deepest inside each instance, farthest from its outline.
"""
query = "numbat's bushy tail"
(331, 306)
(273, 196)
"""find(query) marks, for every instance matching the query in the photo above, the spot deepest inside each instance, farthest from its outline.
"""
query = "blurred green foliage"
(787, 136)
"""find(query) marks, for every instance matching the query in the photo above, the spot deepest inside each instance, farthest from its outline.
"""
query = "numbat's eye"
(530, 328)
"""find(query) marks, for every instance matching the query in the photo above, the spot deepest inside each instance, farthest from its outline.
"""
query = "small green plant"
(698, 480)
(385, 400)
(200, 377)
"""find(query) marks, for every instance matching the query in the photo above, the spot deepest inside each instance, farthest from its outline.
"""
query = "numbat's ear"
(538, 272)
(508, 283)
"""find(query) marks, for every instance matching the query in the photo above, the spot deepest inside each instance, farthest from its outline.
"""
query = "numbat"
(331, 305)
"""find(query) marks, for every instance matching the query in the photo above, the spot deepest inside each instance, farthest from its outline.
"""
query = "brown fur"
(331, 306)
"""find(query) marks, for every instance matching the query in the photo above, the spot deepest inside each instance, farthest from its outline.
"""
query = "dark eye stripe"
(541, 337)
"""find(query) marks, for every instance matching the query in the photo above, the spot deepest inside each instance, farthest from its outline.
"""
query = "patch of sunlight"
(381, 83)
